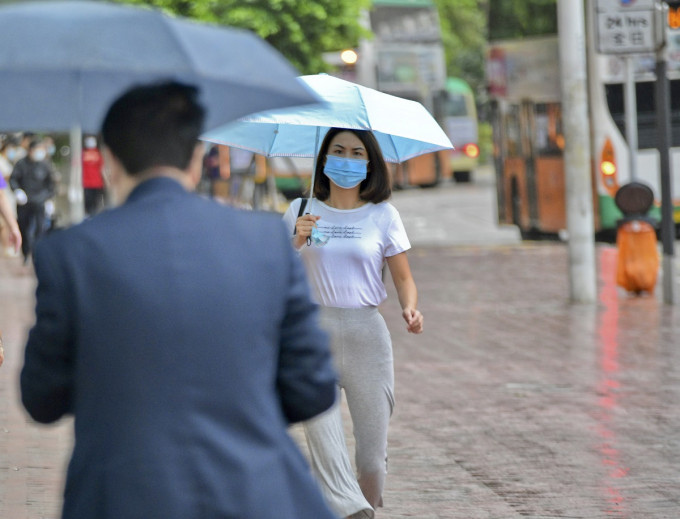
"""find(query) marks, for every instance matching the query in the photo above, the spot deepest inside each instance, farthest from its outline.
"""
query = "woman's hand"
(303, 228)
(414, 320)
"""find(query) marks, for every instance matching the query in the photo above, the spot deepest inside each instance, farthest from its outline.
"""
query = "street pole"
(577, 163)
(75, 181)
(630, 97)
(663, 120)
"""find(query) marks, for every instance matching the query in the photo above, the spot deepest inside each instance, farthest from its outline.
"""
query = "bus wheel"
(462, 176)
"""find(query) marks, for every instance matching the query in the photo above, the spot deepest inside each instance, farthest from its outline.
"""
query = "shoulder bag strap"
(303, 204)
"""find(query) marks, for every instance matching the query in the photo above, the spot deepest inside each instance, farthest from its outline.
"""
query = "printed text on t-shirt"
(341, 231)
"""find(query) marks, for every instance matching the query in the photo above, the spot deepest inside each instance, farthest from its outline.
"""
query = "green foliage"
(485, 142)
(467, 25)
(463, 24)
(521, 18)
(301, 31)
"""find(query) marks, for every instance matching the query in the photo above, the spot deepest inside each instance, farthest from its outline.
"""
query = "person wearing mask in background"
(50, 147)
(34, 183)
(8, 155)
(10, 226)
(93, 180)
(24, 141)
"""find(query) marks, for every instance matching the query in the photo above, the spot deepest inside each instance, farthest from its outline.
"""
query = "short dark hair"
(35, 141)
(154, 125)
(377, 186)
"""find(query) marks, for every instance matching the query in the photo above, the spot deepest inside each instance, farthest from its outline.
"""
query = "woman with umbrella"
(364, 231)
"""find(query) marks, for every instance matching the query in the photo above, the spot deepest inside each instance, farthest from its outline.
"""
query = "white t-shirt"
(347, 271)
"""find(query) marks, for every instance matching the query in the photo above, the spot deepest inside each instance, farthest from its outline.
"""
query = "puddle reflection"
(609, 385)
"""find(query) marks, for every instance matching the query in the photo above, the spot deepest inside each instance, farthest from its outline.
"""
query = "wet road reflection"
(608, 387)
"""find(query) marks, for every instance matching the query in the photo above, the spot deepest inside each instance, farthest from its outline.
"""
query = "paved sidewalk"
(512, 404)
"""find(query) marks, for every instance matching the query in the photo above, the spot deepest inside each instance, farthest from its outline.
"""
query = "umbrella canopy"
(404, 129)
(62, 63)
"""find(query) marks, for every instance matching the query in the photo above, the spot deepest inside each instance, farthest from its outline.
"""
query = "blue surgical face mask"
(38, 155)
(345, 172)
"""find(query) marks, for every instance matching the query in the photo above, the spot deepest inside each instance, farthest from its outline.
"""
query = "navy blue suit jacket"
(181, 336)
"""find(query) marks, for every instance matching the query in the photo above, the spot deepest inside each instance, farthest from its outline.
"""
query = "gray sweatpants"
(362, 351)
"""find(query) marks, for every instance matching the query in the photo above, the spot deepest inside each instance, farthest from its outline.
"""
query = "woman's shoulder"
(294, 206)
(384, 214)
(385, 208)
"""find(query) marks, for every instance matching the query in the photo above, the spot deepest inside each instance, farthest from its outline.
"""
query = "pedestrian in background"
(181, 335)
(33, 182)
(241, 165)
(24, 143)
(10, 226)
(93, 179)
(9, 233)
(364, 231)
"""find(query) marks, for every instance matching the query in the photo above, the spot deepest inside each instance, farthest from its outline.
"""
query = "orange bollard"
(638, 259)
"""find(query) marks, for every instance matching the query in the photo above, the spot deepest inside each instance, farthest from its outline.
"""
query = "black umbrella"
(63, 63)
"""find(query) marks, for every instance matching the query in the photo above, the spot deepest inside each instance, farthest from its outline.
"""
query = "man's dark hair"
(153, 126)
(375, 188)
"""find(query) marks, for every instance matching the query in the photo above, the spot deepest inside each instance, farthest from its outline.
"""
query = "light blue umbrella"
(404, 129)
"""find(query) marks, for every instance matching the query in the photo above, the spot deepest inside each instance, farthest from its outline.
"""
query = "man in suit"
(181, 336)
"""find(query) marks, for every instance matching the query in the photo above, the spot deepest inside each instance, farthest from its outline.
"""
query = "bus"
(523, 82)
(455, 109)
(406, 58)
(459, 115)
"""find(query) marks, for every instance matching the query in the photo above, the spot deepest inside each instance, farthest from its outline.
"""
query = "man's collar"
(155, 184)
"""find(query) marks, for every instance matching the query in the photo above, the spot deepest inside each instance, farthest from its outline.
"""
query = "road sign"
(628, 26)
(625, 5)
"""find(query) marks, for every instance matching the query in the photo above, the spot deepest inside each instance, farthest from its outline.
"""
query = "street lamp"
(349, 57)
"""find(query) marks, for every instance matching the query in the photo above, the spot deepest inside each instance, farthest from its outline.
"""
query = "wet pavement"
(512, 404)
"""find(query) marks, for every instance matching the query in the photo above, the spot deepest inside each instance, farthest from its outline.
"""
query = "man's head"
(37, 151)
(153, 130)
(154, 126)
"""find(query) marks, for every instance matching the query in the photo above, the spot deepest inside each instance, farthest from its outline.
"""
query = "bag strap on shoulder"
(303, 204)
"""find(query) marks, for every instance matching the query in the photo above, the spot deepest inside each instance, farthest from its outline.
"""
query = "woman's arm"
(406, 291)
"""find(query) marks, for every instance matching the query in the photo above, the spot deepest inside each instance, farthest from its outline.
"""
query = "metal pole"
(577, 164)
(75, 183)
(630, 97)
(663, 121)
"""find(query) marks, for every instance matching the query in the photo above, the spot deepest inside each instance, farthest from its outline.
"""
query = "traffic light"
(673, 14)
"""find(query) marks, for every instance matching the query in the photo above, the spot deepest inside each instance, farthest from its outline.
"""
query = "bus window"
(456, 106)
(645, 93)
(549, 139)
(513, 136)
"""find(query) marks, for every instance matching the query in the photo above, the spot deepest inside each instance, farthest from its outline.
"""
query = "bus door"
(550, 188)
(533, 167)
(514, 163)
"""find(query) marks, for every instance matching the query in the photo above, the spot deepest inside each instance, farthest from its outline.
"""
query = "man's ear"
(113, 167)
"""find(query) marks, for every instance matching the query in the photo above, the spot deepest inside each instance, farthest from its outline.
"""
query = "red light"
(471, 150)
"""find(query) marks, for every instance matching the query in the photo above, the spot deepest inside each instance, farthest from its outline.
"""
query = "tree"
(522, 18)
(468, 24)
(301, 31)
(463, 24)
